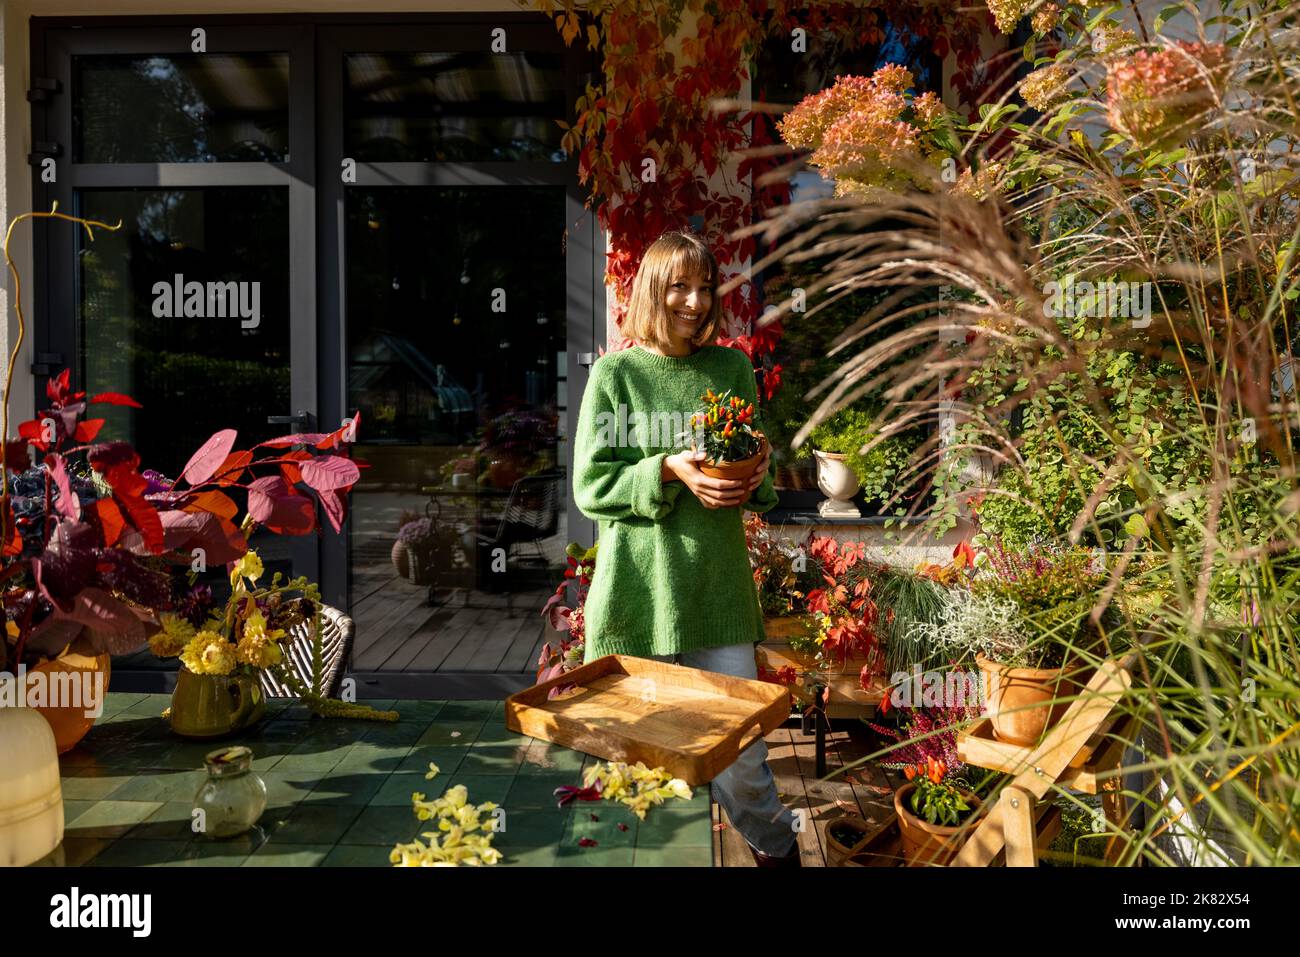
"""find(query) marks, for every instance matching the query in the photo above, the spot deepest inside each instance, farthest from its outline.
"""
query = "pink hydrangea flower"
(1159, 99)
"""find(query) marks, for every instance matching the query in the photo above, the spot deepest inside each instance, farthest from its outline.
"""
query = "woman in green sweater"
(674, 581)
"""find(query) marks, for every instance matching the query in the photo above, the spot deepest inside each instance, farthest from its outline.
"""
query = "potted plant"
(936, 803)
(723, 429)
(933, 811)
(74, 592)
(843, 468)
(516, 443)
(1023, 618)
(779, 577)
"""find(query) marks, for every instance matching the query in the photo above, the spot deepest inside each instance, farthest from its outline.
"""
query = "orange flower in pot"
(724, 430)
(934, 812)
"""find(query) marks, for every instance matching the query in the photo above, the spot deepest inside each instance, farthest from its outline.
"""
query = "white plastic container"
(31, 798)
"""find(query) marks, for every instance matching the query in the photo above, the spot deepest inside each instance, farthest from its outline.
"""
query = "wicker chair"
(336, 647)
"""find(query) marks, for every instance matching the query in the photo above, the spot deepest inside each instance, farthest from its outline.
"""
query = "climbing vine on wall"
(655, 151)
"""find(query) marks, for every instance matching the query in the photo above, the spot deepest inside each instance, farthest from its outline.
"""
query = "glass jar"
(233, 797)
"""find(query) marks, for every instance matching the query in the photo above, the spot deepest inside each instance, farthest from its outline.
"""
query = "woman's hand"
(712, 492)
(760, 473)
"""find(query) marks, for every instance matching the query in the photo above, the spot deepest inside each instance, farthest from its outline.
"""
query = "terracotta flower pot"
(1019, 699)
(741, 469)
(401, 558)
(925, 843)
(70, 723)
(844, 837)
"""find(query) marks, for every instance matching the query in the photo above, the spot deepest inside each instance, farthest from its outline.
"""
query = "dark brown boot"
(790, 860)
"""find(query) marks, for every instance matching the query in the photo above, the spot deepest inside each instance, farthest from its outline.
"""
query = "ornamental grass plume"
(1159, 99)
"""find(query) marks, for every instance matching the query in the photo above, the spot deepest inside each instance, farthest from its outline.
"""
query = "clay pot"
(741, 469)
(1018, 699)
(844, 837)
(401, 557)
(926, 844)
(71, 723)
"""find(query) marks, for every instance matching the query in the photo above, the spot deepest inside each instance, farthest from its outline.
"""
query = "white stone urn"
(838, 483)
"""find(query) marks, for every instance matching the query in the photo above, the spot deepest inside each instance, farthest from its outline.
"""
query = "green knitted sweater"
(672, 575)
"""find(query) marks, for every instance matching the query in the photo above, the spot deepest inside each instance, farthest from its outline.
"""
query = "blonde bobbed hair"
(672, 256)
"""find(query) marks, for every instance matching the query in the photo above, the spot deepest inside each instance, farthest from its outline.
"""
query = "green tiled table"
(339, 792)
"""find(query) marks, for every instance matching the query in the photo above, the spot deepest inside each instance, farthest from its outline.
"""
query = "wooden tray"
(693, 723)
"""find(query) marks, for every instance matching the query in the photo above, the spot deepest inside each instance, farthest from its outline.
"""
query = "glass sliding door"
(204, 160)
(457, 334)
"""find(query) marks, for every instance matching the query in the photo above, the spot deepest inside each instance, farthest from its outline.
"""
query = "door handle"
(299, 422)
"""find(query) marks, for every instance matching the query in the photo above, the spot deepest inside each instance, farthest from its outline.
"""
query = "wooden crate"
(693, 723)
(847, 700)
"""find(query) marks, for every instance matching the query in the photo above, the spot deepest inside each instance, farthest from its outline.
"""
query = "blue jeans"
(746, 790)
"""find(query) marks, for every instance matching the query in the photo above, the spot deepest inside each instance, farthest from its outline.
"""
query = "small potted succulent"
(724, 430)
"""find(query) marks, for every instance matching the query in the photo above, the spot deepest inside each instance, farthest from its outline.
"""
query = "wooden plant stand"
(1082, 751)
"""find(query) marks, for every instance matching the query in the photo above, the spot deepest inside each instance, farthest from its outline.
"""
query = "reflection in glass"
(454, 107)
(181, 108)
(198, 373)
(456, 337)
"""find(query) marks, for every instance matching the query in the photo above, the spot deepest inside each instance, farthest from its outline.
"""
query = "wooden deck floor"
(399, 631)
(865, 791)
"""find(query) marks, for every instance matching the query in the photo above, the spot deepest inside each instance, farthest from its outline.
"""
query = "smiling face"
(688, 299)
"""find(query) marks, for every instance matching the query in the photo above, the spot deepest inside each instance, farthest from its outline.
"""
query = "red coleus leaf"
(14, 544)
(128, 489)
(294, 438)
(272, 502)
(68, 505)
(329, 472)
(210, 500)
(35, 433)
(87, 430)
(218, 537)
(334, 504)
(116, 398)
(111, 455)
(17, 458)
(289, 465)
(111, 520)
(343, 435)
(205, 462)
(230, 471)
